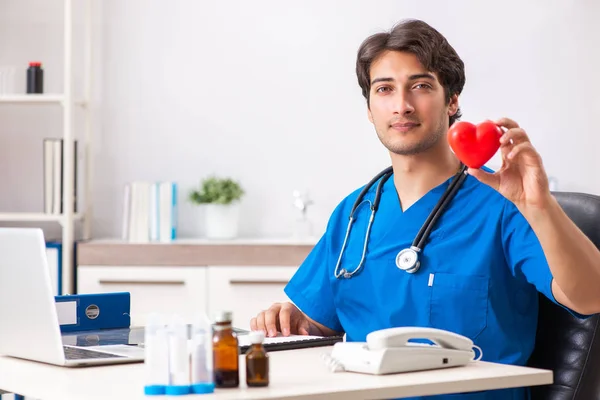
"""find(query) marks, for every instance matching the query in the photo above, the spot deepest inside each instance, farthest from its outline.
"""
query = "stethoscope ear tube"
(438, 209)
(429, 226)
(361, 195)
(386, 173)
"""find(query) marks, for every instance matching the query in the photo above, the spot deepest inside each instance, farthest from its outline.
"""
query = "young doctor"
(500, 240)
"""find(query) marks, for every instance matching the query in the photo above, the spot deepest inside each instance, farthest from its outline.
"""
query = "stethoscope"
(407, 259)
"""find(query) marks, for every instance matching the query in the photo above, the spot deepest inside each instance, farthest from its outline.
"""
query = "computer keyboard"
(77, 353)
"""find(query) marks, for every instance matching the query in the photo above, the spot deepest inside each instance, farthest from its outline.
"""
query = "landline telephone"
(388, 351)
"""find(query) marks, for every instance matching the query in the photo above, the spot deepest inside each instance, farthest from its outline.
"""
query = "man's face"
(407, 104)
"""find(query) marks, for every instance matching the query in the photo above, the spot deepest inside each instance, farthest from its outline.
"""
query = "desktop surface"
(293, 374)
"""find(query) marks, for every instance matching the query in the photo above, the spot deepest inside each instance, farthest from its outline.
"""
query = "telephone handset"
(399, 337)
(389, 351)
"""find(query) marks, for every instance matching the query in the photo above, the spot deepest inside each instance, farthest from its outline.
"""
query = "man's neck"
(415, 176)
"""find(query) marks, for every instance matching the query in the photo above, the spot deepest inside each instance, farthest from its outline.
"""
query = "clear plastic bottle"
(225, 351)
(201, 361)
(257, 361)
(179, 358)
(156, 356)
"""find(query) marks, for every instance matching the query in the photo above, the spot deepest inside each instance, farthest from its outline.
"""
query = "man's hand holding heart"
(522, 178)
(573, 259)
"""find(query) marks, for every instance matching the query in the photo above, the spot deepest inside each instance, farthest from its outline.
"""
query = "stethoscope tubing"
(423, 234)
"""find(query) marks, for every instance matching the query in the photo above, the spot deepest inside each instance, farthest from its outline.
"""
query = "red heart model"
(474, 145)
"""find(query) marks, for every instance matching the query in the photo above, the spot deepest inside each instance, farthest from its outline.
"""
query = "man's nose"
(403, 105)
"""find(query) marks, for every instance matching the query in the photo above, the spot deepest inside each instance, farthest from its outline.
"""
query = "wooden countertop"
(195, 252)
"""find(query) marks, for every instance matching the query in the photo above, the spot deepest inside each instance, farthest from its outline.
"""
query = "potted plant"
(221, 199)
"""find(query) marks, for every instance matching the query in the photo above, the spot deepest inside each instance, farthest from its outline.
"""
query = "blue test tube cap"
(203, 388)
(154, 390)
(177, 390)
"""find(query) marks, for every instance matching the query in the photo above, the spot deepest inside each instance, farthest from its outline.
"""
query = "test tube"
(156, 356)
(179, 359)
(202, 356)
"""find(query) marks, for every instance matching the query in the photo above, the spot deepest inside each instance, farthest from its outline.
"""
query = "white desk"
(297, 374)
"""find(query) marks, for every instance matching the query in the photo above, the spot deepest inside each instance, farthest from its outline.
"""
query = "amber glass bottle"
(257, 361)
(225, 352)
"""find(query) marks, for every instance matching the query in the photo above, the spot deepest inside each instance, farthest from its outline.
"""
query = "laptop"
(29, 327)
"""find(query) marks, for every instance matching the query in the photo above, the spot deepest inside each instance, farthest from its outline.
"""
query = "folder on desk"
(84, 312)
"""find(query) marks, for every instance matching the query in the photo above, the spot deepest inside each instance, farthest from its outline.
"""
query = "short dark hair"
(427, 44)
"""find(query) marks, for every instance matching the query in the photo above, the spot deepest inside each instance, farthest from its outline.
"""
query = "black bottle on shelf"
(35, 77)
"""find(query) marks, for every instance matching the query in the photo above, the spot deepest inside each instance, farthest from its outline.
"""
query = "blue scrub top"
(480, 274)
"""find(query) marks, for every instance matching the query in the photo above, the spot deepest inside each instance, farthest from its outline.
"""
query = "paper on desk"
(244, 340)
(67, 312)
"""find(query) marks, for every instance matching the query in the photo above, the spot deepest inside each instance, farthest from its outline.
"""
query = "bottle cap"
(223, 316)
(202, 388)
(256, 337)
(177, 390)
(35, 64)
(154, 390)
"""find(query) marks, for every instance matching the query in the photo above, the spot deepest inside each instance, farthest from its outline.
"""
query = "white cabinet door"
(166, 290)
(246, 290)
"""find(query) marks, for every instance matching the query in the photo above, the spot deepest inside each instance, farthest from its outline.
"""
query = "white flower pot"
(222, 220)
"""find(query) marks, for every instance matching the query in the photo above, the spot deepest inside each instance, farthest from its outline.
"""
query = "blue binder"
(54, 254)
(84, 312)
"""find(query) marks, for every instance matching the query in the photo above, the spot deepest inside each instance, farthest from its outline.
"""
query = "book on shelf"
(150, 212)
(53, 175)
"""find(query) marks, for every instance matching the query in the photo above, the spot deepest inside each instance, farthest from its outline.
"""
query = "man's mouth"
(404, 126)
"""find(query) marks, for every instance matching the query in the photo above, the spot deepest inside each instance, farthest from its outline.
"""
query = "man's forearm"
(573, 259)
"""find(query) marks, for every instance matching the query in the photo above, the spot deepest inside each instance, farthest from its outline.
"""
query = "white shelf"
(66, 102)
(34, 217)
(32, 98)
(36, 99)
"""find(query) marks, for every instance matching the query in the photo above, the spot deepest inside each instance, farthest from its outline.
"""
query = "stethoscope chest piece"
(408, 260)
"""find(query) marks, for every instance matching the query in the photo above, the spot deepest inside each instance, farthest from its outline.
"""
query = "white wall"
(265, 92)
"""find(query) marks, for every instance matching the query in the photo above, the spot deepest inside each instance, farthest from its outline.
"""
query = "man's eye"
(383, 89)
(422, 86)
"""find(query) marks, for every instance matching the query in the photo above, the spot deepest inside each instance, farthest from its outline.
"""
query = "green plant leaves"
(216, 190)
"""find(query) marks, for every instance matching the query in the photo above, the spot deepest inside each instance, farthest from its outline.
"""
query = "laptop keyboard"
(76, 353)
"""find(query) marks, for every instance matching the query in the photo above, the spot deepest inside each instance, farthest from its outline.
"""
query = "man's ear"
(453, 105)
(370, 115)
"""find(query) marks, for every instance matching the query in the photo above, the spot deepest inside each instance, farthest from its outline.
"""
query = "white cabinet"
(167, 290)
(188, 291)
(246, 290)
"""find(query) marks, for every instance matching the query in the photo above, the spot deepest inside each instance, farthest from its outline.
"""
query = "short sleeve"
(525, 255)
(310, 290)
